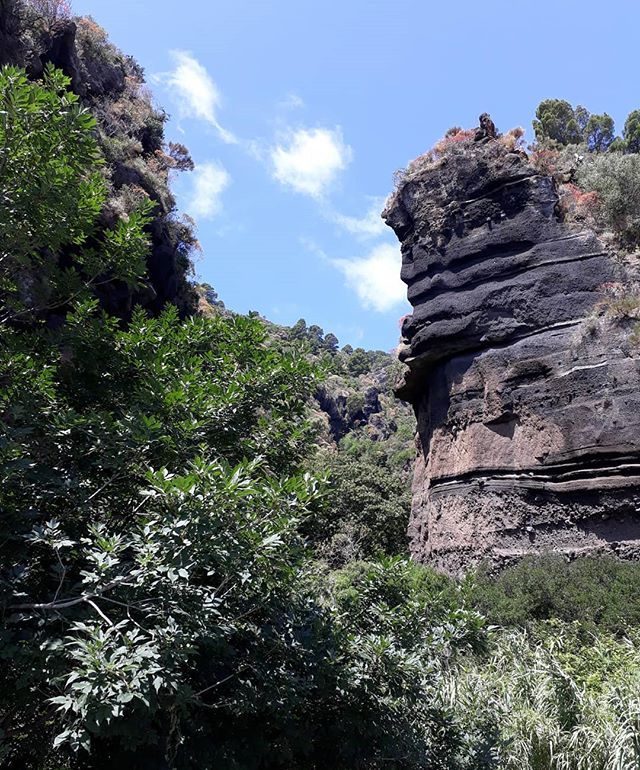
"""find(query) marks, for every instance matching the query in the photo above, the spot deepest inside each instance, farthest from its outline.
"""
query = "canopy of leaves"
(556, 120)
(599, 132)
(600, 592)
(365, 510)
(615, 178)
(632, 132)
(51, 193)
(559, 122)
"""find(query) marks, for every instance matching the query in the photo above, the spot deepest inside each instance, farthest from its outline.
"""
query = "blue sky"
(298, 113)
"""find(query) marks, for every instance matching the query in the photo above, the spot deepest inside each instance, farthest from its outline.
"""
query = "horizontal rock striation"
(527, 398)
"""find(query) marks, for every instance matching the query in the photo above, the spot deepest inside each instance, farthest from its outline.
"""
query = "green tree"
(299, 330)
(556, 120)
(359, 362)
(599, 132)
(631, 132)
(149, 480)
(364, 513)
(582, 117)
(331, 342)
(136, 533)
(618, 145)
(51, 195)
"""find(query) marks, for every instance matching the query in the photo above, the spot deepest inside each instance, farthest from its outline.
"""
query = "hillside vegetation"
(202, 554)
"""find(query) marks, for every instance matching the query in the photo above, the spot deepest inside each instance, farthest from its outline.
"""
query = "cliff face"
(130, 132)
(527, 397)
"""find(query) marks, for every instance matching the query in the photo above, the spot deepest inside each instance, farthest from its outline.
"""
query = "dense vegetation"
(202, 552)
(158, 598)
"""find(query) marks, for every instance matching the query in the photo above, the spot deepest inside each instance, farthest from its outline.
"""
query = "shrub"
(407, 631)
(615, 178)
(93, 43)
(125, 558)
(598, 591)
(577, 205)
(49, 11)
(365, 510)
(453, 137)
(513, 139)
(621, 301)
(545, 159)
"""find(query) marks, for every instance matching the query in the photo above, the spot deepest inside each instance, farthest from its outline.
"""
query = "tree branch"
(65, 603)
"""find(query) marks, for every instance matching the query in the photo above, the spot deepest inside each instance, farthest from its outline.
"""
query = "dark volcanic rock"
(343, 419)
(11, 48)
(528, 415)
(58, 47)
(98, 76)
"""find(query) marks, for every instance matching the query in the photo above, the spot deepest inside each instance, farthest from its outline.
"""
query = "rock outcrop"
(342, 416)
(110, 85)
(527, 398)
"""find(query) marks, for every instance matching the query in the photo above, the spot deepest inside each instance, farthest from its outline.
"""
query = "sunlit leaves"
(51, 194)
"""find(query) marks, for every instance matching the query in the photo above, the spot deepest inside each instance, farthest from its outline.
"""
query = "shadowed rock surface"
(527, 398)
(98, 76)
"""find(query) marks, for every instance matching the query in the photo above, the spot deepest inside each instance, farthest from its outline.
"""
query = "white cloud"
(375, 277)
(291, 102)
(195, 92)
(310, 160)
(311, 245)
(370, 225)
(209, 182)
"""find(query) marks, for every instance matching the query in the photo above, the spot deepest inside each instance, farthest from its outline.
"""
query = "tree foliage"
(556, 120)
(615, 178)
(51, 194)
(599, 132)
(632, 132)
(365, 510)
(559, 122)
(600, 592)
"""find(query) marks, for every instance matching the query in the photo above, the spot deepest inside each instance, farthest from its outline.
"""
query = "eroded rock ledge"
(527, 399)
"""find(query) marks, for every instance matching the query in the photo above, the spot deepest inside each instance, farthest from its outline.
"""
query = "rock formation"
(527, 398)
(100, 75)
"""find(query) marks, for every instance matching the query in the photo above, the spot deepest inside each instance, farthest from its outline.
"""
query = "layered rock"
(527, 400)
